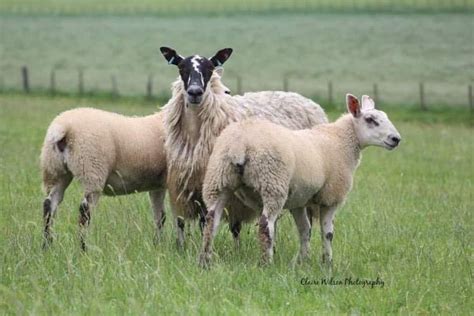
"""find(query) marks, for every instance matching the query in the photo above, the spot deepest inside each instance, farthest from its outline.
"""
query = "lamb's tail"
(53, 155)
(224, 171)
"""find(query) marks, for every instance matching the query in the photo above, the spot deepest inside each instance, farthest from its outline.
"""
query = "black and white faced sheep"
(271, 168)
(109, 154)
(195, 117)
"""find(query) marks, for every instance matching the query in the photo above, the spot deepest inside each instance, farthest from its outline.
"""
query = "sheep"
(108, 153)
(270, 167)
(195, 116)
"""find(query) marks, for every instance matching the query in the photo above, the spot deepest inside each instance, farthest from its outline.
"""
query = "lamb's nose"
(395, 139)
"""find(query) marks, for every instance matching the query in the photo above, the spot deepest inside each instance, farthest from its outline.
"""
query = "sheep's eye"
(371, 120)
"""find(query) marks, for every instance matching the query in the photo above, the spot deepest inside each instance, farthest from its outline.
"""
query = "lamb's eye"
(371, 120)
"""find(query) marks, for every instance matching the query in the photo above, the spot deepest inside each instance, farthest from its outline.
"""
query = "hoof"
(204, 261)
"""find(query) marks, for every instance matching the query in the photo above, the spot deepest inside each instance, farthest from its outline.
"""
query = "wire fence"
(83, 81)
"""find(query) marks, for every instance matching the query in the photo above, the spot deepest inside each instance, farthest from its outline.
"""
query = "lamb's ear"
(367, 103)
(353, 105)
(221, 56)
(171, 56)
(219, 71)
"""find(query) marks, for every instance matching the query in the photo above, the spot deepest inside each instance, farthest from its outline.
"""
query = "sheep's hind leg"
(327, 233)
(50, 206)
(85, 209)
(213, 218)
(157, 198)
(266, 233)
(304, 229)
(235, 228)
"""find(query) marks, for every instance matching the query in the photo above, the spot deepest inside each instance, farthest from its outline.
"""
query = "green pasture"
(407, 222)
(352, 51)
(229, 7)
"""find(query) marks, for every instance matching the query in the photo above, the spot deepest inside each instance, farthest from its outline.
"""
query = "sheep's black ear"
(221, 56)
(171, 56)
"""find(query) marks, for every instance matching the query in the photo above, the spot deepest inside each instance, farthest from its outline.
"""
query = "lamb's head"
(195, 71)
(372, 126)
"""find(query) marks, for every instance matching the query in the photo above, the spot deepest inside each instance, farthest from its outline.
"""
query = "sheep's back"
(288, 109)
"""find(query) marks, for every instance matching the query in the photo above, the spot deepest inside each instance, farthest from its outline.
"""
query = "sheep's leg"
(266, 233)
(50, 206)
(327, 232)
(180, 224)
(157, 198)
(85, 209)
(235, 228)
(213, 218)
(304, 228)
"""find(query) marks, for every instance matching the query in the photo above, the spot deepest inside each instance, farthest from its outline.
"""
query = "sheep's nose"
(195, 91)
(395, 139)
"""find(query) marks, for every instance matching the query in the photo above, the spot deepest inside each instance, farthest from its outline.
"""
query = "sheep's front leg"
(266, 232)
(157, 198)
(85, 209)
(304, 229)
(213, 218)
(327, 232)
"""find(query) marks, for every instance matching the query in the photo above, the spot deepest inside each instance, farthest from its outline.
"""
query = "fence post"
(330, 92)
(285, 81)
(469, 95)
(81, 81)
(239, 84)
(26, 81)
(114, 86)
(376, 94)
(52, 82)
(422, 96)
(149, 87)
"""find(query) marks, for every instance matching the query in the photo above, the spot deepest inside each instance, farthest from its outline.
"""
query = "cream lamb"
(270, 167)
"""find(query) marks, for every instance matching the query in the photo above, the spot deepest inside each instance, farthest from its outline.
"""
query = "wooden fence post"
(376, 94)
(469, 95)
(149, 87)
(52, 82)
(330, 93)
(239, 84)
(81, 82)
(114, 86)
(285, 81)
(25, 79)
(422, 96)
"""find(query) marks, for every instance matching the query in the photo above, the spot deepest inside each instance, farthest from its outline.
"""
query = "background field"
(353, 51)
(213, 7)
(408, 221)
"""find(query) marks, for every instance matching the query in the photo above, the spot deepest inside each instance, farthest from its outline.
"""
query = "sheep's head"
(195, 71)
(372, 126)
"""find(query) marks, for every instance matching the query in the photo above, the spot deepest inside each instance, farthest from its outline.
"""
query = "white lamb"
(108, 153)
(272, 167)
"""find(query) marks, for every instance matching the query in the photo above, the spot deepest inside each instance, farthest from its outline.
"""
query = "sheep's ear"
(221, 56)
(171, 56)
(367, 103)
(353, 105)
(219, 71)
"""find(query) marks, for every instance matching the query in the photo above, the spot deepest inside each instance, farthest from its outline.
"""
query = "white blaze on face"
(196, 61)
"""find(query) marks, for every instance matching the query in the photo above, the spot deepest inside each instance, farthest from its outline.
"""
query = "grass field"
(179, 7)
(354, 51)
(408, 222)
